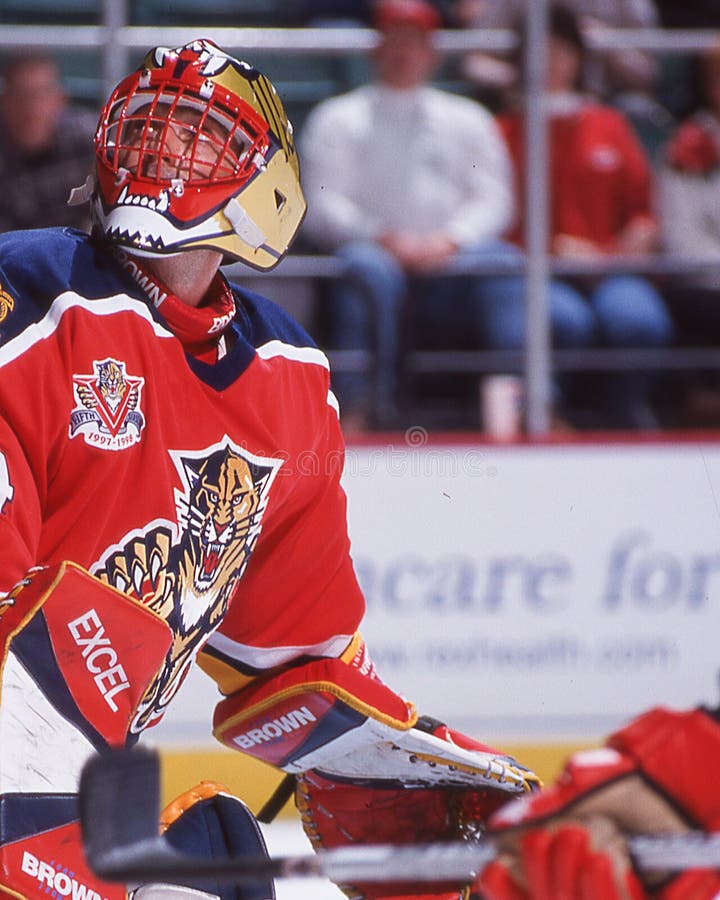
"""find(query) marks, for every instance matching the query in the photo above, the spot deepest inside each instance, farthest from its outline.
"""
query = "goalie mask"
(194, 151)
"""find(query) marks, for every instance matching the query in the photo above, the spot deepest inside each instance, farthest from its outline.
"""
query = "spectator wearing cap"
(404, 179)
(46, 148)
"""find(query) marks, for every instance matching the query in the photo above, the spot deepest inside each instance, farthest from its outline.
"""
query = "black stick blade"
(119, 802)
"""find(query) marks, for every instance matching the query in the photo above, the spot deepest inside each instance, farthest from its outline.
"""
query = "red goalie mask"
(194, 150)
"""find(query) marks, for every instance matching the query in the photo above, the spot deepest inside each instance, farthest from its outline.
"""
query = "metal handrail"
(418, 362)
(588, 359)
(271, 40)
(321, 266)
(335, 40)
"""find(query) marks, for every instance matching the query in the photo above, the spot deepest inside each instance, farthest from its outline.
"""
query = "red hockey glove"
(569, 841)
(563, 863)
(343, 721)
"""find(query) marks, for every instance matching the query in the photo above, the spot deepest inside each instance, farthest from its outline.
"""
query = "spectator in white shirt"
(403, 179)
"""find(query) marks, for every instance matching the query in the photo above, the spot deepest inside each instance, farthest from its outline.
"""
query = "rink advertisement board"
(545, 590)
(540, 592)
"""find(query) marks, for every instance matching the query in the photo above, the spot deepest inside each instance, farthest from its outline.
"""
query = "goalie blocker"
(76, 659)
(330, 717)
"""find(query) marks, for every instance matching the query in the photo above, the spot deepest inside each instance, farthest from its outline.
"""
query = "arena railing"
(118, 41)
(318, 267)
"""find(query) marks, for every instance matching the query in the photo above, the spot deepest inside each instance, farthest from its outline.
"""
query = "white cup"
(501, 406)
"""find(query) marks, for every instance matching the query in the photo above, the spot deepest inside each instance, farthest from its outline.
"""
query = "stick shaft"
(676, 852)
(119, 809)
(456, 861)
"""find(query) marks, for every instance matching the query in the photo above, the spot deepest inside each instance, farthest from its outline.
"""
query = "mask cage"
(170, 133)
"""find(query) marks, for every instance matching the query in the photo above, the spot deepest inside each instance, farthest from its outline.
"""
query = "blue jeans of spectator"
(367, 311)
(629, 312)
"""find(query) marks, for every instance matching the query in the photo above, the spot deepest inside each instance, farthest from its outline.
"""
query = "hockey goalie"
(170, 458)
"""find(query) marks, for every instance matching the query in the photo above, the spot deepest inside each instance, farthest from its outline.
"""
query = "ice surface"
(285, 837)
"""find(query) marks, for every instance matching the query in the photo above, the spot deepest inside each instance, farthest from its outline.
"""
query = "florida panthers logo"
(108, 412)
(187, 571)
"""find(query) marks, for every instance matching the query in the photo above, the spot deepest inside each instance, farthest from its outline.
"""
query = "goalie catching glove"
(335, 813)
(569, 840)
(370, 770)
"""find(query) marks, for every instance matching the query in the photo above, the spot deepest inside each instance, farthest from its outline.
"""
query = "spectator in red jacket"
(599, 207)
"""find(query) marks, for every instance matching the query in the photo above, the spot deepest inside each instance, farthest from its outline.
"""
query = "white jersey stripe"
(105, 306)
(310, 355)
(299, 354)
(270, 657)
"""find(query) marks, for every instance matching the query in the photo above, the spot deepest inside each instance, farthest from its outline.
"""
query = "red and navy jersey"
(209, 490)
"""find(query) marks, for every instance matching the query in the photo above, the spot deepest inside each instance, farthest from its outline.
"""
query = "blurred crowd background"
(411, 267)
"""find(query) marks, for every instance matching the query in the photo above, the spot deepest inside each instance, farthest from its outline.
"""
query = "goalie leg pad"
(41, 851)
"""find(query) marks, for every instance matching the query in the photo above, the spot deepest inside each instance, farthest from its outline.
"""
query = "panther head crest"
(226, 497)
(225, 503)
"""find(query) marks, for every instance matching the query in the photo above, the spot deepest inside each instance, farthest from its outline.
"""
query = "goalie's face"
(163, 144)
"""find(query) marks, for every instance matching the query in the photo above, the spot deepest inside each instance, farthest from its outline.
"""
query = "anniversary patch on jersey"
(108, 411)
(187, 571)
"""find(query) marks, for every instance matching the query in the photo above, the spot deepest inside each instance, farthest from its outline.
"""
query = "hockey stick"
(119, 812)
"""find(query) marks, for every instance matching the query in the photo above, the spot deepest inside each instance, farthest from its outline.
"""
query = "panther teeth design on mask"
(136, 239)
(159, 205)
